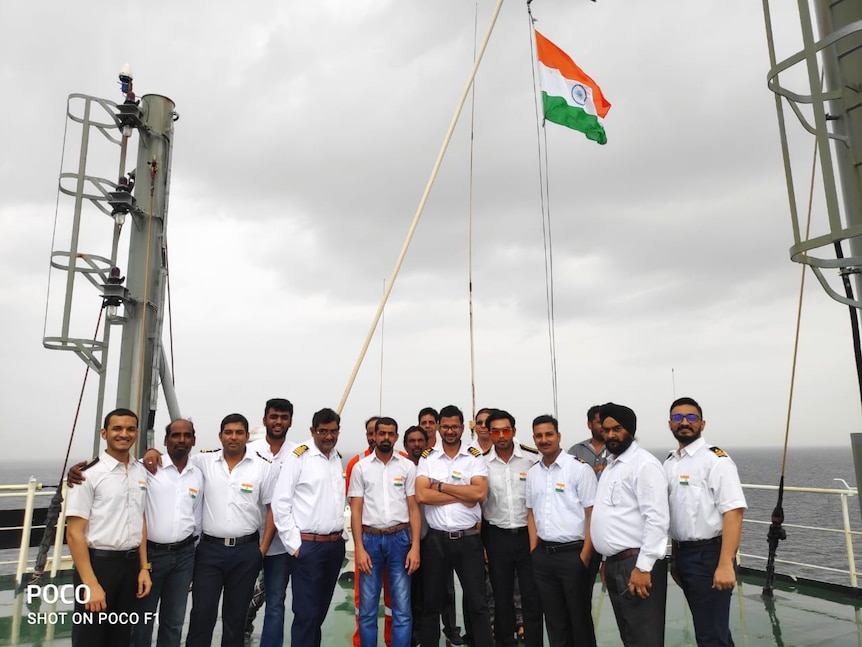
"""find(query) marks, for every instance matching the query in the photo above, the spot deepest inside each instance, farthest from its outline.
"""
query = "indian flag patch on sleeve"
(560, 487)
(246, 488)
(142, 485)
(522, 476)
(193, 493)
(398, 481)
(456, 475)
(683, 479)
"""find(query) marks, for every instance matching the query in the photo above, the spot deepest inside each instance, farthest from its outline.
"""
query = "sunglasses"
(679, 417)
(504, 431)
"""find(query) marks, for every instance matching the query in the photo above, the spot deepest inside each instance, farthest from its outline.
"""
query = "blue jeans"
(171, 575)
(276, 575)
(388, 553)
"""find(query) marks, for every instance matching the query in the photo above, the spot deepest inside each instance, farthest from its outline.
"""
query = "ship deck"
(799, 615)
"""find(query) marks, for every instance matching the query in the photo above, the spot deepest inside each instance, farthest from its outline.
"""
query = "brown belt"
(310, 536)
(625, 554)
(385, 531)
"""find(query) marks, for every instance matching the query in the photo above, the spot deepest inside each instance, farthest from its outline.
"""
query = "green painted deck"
(799, 617)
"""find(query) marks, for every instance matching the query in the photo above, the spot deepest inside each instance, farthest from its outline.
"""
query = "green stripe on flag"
(560, 112)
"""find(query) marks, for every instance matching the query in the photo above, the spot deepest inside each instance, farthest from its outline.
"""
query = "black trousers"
(640, 620)
(439, 556)
(118, 577)
(508, 554)
(232, 569)
(561, 579)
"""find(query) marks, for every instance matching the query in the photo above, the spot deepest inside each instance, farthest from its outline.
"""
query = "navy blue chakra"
(579, 94)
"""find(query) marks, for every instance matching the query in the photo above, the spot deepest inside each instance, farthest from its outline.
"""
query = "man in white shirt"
(308, 508)
(105, 531)
(560, 494)
(174, 509)
(386, 525)
(452, 480)
(237, 483)
(277, 419)
(629, 527)
(706, 508)
(507, 540)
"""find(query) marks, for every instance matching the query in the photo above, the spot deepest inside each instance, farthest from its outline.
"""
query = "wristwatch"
(439, 486)
(147, 567)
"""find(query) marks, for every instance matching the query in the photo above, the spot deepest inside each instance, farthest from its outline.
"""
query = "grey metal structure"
(138, 202)
(830, 109)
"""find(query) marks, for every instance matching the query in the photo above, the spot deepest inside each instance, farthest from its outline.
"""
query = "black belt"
(132, 553)
(455, 534)
(174, 546)
(561, 546)
(511, 531)
(232, 541)
(698, 542)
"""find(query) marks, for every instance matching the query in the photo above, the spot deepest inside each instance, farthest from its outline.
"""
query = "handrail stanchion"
(848, 540)
(25, 531)
(58, 538)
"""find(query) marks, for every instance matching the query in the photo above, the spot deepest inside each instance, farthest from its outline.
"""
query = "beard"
(688, 439)
(617, 447)
(385, 447)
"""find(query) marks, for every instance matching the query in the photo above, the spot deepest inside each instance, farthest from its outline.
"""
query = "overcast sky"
(307, 133)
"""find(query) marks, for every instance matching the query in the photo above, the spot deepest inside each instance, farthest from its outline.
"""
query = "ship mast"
(138, 203)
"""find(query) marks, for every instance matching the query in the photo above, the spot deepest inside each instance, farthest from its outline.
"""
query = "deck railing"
(846, 530)
(32, 489)
(29, 492)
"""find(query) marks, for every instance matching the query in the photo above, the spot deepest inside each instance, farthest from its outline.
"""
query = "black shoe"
(454, 640)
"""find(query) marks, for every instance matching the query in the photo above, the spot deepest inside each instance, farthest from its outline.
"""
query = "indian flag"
(570, 97)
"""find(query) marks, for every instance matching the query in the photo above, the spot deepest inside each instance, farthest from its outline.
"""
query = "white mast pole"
(448, 137)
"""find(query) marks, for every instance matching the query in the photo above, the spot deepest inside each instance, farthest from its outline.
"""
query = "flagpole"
(445, 145)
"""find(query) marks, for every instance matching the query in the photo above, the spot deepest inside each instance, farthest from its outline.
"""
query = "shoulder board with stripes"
(210, 451)
(718, 452)
(474, 451)
(90, 464)
(339, 454)
(527, 448)
(427, 452)
(300, 450)
(578, 458)
(263, 457)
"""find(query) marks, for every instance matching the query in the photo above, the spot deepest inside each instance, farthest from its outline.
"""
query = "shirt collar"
(516, 452)
(692, 448)
(627, 454)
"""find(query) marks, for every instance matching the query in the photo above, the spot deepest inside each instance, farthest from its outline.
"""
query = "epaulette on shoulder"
(474, 451)
(527, 448)
(263, 457)
(578, 458)
(90, 464)
(427, 452)
(487, 451)
(718, 452)
(339, 454)
(669, 454)
(210, 451)
(299, 450)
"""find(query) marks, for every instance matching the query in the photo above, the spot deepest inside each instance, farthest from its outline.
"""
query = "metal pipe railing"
(846, 530)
